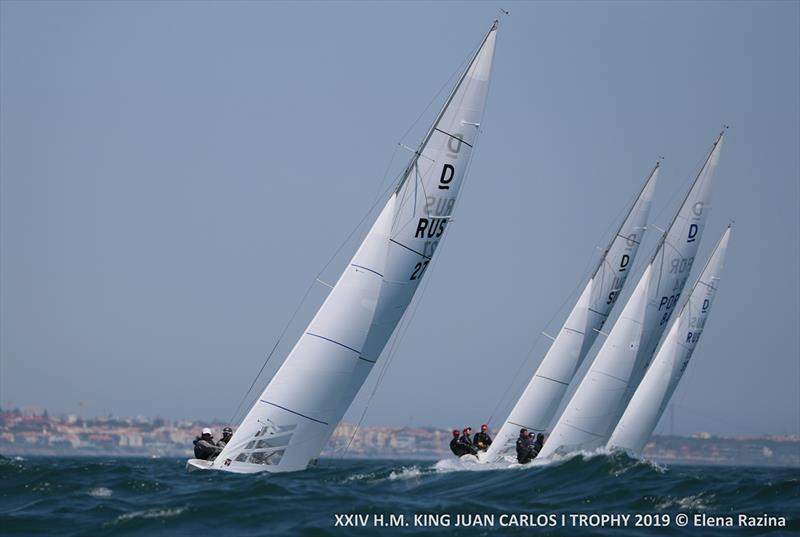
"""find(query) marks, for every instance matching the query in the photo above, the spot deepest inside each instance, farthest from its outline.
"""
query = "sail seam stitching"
(407, 248)
(365, 268)
(568, 329)
(335, 342)
(612, 376)
(453, 137)
(526, 426)
(583, 430)
(710, 286)
(293, 412)
(628, 238)
(554, 380)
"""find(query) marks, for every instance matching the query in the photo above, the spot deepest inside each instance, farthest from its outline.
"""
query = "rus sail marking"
(310, 392)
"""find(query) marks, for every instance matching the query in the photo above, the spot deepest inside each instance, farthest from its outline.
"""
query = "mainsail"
(599, 400)
(540, 400)
(659, 383)
(294, 417)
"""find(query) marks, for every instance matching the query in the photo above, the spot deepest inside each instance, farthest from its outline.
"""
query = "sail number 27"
(419, 269)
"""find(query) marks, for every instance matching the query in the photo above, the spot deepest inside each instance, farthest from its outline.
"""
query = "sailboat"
(651, 397)
(538, 403)
(605, 390)
(292, 420)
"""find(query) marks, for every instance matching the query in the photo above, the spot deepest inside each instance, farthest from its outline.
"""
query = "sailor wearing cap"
(227, 433)
(204, 447)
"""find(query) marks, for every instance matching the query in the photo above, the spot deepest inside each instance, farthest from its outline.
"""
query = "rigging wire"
(308, 290)
(408, 319)
(512, 388)
(663, 210)
(382, 192)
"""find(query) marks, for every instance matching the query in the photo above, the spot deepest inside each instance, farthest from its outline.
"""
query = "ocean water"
(155, 497)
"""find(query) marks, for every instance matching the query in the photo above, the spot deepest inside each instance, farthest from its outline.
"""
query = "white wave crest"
(470, 464)
(698, 502)
(152, 513)
(410, 472)
(100, 492)
(359, 477)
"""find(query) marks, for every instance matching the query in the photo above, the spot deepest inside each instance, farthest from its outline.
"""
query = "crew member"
(482, 440)
(537, 445)
(525, 449)
(227, 433)
(204, 447)
(455, 445)
(466, 442)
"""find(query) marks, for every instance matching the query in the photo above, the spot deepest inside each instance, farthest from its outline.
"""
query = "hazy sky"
(175, 175)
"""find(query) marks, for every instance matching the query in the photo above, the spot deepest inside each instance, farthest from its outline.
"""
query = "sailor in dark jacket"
(466, 442)
(455, 445)
(537, 445)
(482, 440)
(204, 447)
(526, 451)
(227, 433)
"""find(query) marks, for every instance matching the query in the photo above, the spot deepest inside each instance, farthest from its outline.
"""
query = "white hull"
(194, 465)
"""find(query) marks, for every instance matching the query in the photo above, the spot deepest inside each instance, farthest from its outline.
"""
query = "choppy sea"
(155, 497)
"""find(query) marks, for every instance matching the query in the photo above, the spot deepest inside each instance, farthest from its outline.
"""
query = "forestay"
(597, 404)
(295, 415)
(651, 397)
(540, 400)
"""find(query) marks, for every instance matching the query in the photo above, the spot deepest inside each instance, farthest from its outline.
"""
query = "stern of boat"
(194, 465)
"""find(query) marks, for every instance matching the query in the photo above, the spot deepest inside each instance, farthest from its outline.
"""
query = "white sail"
(539, 402)
(651, 397)
(599, 400)
(294, 417)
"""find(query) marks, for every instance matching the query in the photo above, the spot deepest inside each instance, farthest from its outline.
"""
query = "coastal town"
(31, 433)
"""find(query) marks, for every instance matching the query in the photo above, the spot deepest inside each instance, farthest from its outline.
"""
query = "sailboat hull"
(194, 465)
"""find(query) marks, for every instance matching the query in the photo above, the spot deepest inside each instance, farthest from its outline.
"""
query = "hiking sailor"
(482, 440)
(227, 433)
(526, 449)
(204, 447)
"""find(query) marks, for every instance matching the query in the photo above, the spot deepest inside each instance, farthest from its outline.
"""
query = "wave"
(50, 496)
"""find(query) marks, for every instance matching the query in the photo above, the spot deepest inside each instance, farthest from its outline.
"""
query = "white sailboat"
(294, 417)
(602, 395)
(651, 397)
(538, 403)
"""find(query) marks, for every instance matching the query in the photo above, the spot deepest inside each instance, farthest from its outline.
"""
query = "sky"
(174, 176)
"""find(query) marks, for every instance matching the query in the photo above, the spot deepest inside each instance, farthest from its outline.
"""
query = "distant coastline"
(30, 434)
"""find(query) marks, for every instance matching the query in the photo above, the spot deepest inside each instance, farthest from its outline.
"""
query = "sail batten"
(297, 412)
